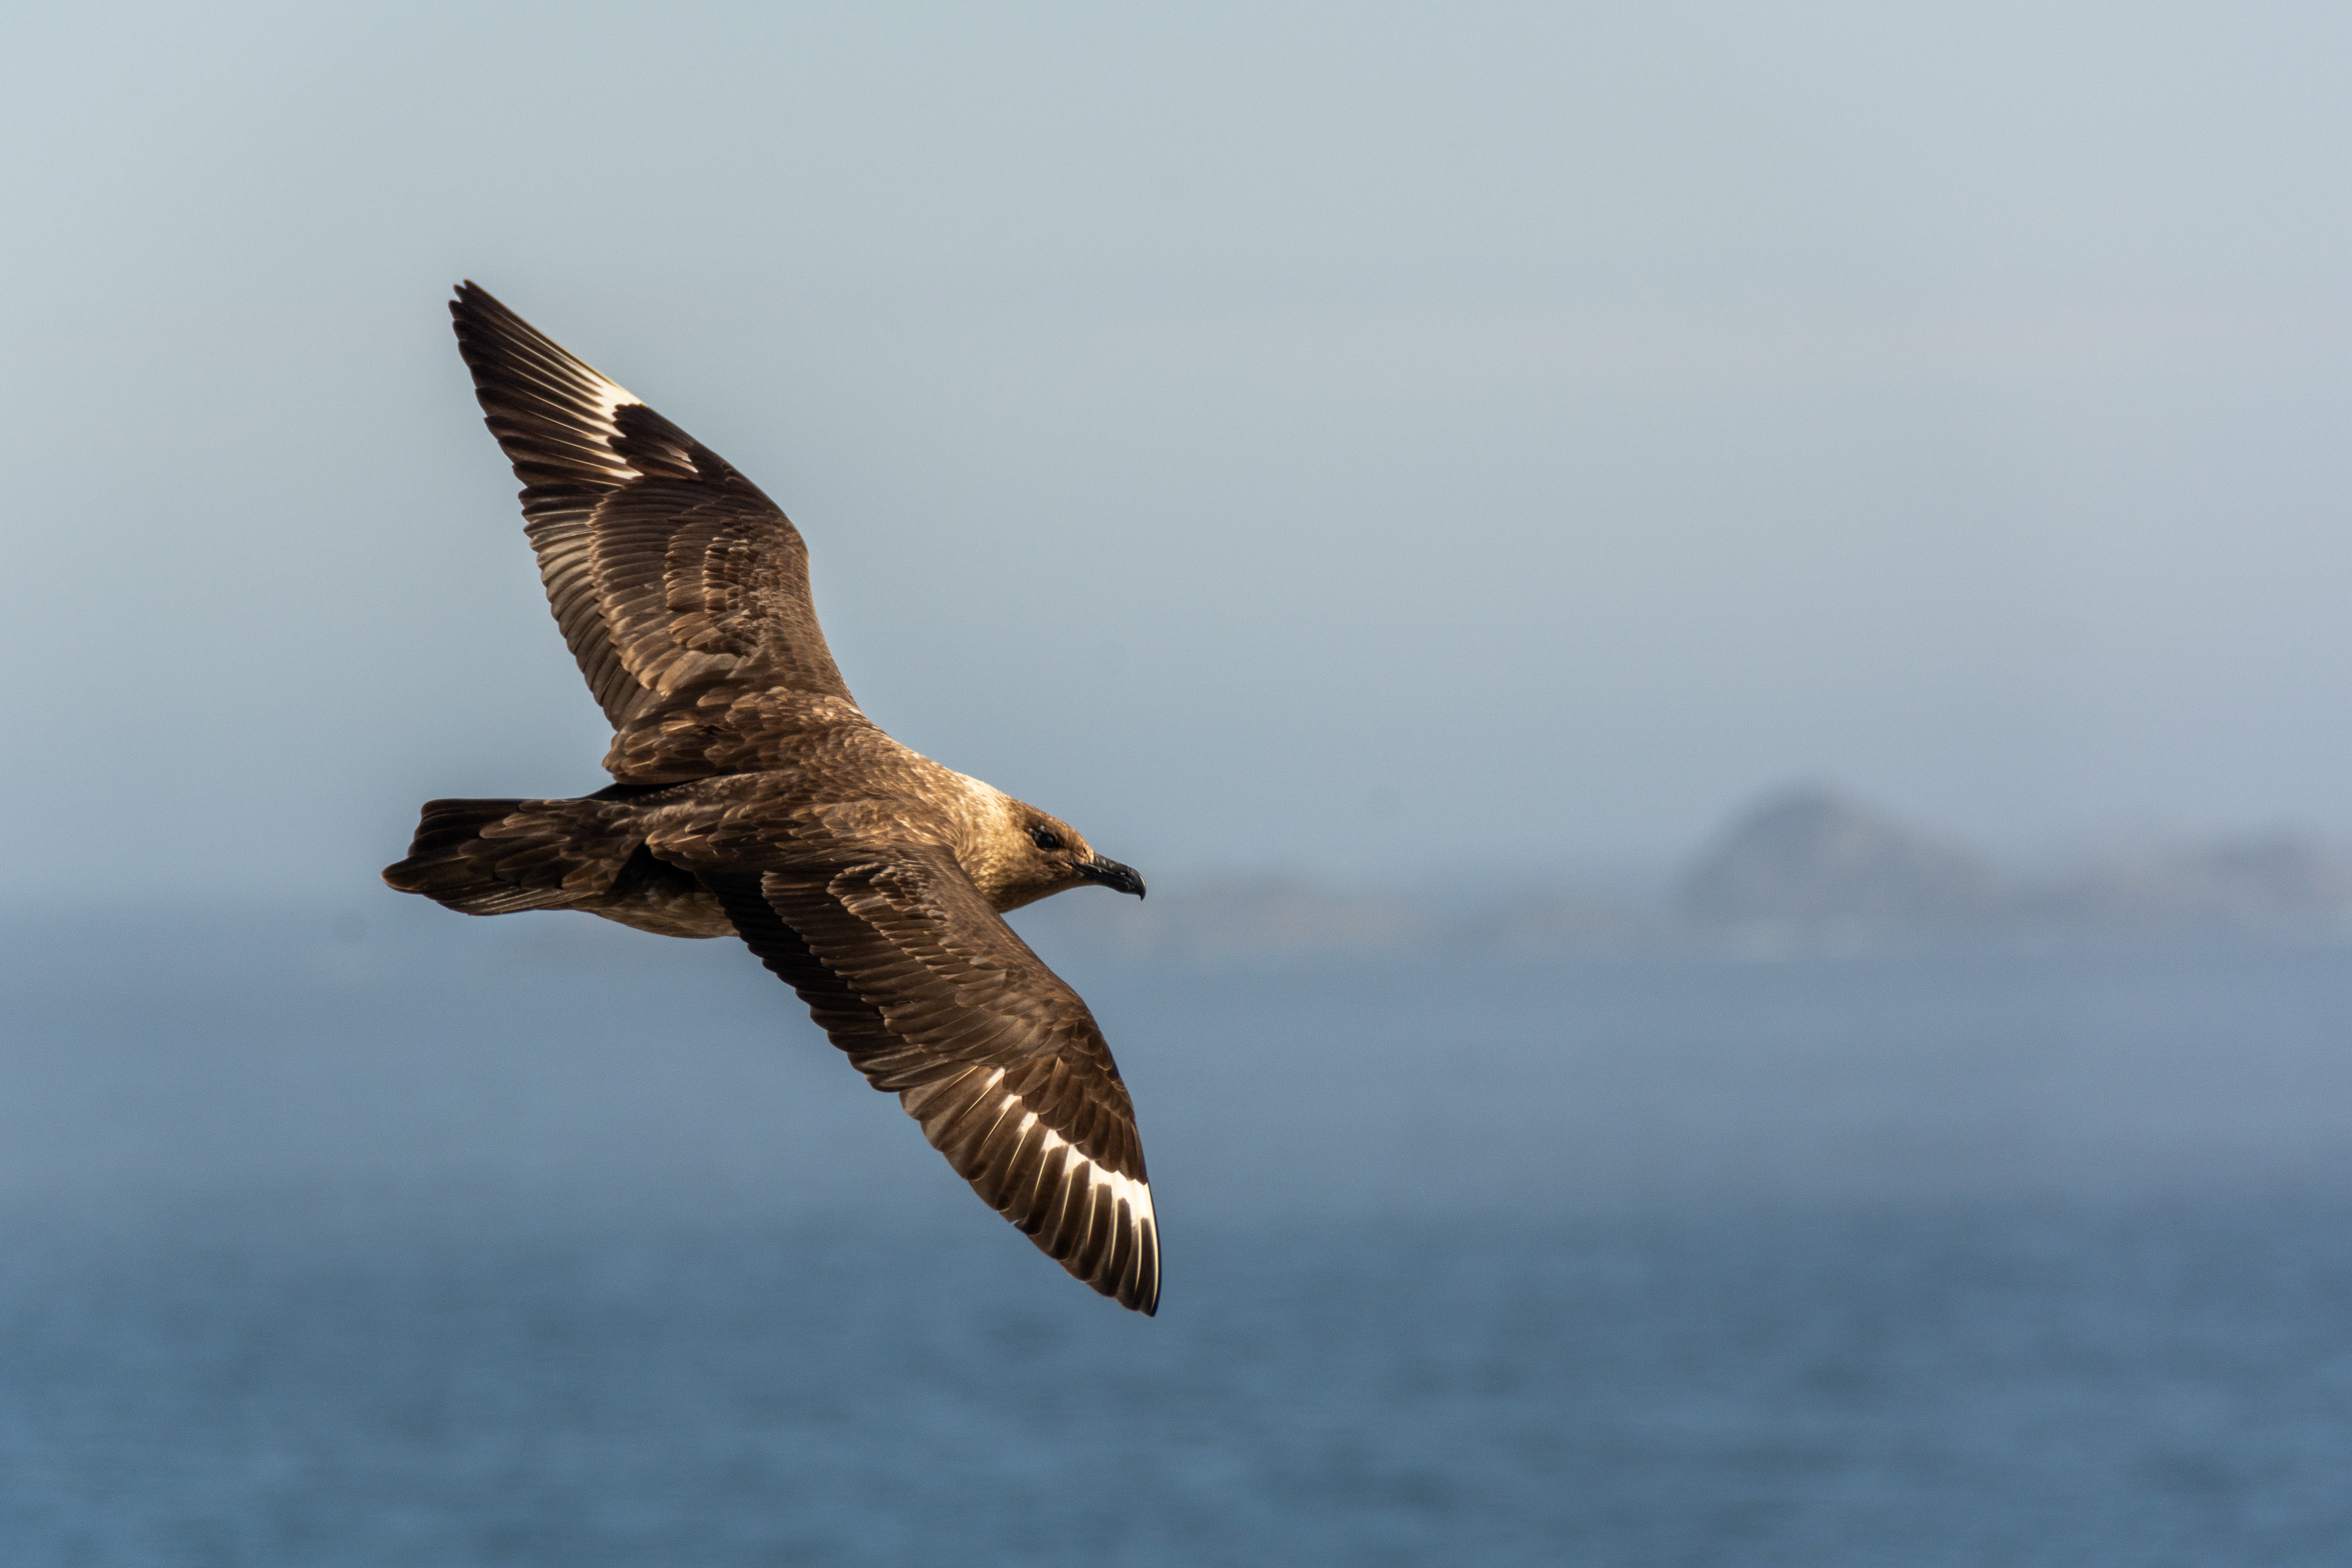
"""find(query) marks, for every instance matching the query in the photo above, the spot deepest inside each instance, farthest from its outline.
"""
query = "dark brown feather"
(934, 997)
(674, 580)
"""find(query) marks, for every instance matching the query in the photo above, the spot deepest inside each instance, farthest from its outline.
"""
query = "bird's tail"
(494, 857)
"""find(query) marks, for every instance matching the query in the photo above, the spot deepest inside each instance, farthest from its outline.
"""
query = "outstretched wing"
(678, 584)
(904, 964)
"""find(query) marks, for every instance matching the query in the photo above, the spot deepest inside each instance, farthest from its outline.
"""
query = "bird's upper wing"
(678, 584)
(904, 964)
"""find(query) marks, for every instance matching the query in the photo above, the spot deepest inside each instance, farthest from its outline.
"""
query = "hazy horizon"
(1359, 442)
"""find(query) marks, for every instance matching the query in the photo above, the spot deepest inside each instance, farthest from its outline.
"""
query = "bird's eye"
(1044, 837)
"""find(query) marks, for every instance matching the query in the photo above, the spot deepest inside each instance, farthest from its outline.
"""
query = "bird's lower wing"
(934, 998)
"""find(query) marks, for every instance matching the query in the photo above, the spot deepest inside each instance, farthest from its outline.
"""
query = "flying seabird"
(752, 799)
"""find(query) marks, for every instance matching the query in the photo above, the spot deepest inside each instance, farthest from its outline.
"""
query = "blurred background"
(1718, 628)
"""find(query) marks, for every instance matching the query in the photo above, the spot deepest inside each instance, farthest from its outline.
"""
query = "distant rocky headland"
(1803, 870)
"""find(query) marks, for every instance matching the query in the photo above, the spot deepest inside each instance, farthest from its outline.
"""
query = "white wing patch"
(602, 399)
(1083, 1186)
(610, 395)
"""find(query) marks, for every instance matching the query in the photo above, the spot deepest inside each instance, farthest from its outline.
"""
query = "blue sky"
(1364, 440)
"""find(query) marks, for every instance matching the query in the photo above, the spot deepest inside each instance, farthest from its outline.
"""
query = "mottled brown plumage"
(752, 799)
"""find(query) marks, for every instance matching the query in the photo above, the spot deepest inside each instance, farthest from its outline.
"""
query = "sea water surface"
(393, 1238)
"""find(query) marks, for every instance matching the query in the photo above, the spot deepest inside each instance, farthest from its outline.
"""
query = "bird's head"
(1045, 856)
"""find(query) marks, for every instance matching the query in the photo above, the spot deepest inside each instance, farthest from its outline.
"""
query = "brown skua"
(752, 799)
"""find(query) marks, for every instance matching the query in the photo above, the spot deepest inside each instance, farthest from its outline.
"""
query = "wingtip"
(1150, 1305)
(1133, 1301)
(470, 299)
(1135, 1287)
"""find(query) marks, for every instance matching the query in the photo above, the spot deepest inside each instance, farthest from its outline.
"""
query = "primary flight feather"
(752, 799)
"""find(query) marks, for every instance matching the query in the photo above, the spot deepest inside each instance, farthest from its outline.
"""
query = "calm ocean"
(418, 1241)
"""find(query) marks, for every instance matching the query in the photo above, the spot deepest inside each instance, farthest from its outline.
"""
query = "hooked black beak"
(1113, 875)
